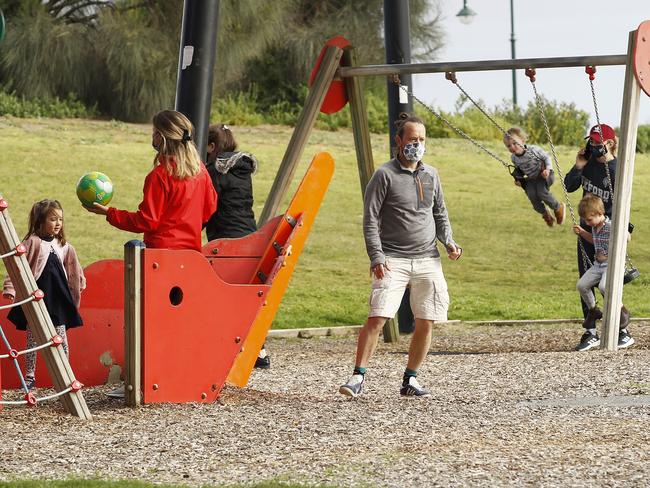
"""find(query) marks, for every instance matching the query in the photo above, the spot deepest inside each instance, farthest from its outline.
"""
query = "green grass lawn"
(513, 267)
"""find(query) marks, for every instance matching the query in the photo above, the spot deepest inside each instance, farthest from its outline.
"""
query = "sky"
(547, 28)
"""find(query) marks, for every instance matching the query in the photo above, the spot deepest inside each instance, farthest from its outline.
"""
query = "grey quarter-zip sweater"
(533, 160)
(404, 213)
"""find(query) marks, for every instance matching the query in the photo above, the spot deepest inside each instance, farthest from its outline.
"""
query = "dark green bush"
(238, 108)
(643, 139)
(55, 108)
(566, 123)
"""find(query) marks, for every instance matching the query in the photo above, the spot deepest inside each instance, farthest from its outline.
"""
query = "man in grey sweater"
(404, 216)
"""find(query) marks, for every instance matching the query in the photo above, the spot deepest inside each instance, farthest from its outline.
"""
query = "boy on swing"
(534, 173)
(592, 211)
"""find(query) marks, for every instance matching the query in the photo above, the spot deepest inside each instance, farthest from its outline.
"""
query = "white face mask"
(413, 151)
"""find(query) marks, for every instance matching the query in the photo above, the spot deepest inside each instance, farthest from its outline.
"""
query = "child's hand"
(578, 230)
(545, 173)
(581, 159)
(8, 296)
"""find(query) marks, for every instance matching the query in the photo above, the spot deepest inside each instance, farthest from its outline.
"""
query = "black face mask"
(596, 151)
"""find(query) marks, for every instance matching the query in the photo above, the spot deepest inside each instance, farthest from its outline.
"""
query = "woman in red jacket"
(178, 194)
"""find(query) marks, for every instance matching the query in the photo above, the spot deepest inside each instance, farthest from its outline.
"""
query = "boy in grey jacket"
(534, 166)
(404, 216)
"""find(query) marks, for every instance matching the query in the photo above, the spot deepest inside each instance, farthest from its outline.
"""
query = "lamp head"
(466, 14)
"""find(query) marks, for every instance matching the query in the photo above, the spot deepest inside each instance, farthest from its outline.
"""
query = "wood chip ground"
(511, 405)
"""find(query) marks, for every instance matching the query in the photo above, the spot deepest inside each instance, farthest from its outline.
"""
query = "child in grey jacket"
(534, 165)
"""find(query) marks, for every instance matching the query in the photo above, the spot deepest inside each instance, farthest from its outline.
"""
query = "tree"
(122, 55)
(117, 55)
(280, 72)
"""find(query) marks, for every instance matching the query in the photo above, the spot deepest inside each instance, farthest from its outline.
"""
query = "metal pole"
(489, 65)
(397, 36)
(196, 66)
(398, 51)
(512, 50)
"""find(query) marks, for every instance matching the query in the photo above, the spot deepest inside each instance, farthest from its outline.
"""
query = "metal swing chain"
(590, 70)
(443, 119)
(593, 97)
(451, 76)
(586, 262)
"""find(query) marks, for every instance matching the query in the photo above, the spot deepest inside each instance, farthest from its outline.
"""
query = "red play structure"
(189, 320)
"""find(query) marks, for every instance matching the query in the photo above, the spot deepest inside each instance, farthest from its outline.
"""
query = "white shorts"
(429, 295)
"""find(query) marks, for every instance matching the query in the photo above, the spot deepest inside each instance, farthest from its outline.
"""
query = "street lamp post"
(512, 50)
(466, 15)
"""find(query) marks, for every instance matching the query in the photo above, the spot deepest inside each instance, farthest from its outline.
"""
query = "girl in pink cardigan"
(57, 272)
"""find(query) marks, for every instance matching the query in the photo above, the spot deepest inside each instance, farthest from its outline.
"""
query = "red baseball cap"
(608, 132)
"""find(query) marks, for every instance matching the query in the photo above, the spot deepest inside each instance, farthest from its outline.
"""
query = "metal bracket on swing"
(530, 72)
(591, 71)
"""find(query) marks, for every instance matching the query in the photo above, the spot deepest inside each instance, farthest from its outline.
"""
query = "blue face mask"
(413, 151)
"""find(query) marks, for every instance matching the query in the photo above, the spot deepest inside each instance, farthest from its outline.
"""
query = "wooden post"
(622, 199)
(360, 128)
(38, 318)
(303, 128)
(133, 323)
(363, 147)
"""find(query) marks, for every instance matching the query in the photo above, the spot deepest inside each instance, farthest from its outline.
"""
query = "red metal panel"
(250, 245)
(642, 56)
(190, 343)
(96, 348)
(236, 260)
(337, 96)
(235, 270)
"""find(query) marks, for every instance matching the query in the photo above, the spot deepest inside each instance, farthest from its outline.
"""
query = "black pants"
(591, 253)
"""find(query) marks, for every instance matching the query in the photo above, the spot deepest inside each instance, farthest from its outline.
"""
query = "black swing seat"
(630, 275)
(518, 175)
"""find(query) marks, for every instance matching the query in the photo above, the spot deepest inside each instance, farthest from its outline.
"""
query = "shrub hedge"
(567, 124)
(54, 108)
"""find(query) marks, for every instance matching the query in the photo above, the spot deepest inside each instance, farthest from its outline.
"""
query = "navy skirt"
(58, 298)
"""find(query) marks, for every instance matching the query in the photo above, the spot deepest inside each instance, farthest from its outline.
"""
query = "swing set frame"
(336, 81)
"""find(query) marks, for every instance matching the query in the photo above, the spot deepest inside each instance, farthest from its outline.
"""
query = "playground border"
(344, 330)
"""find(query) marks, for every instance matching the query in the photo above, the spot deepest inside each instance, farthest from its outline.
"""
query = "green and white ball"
(94, 187)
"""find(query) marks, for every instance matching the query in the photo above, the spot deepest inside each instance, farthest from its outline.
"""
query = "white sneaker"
(413, 388)
(354, 387)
